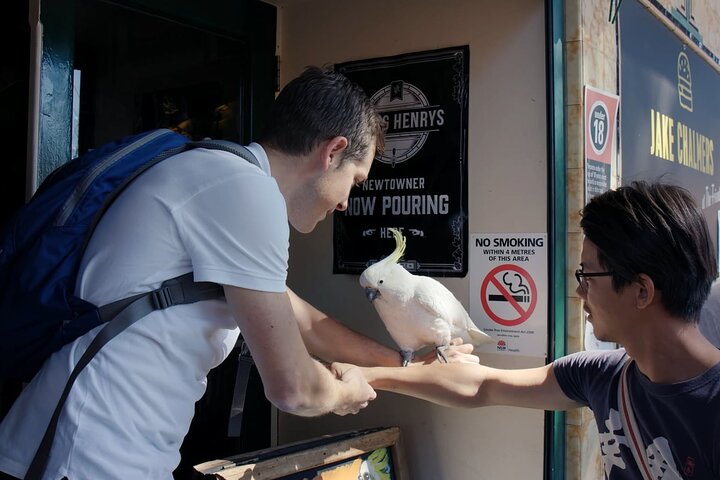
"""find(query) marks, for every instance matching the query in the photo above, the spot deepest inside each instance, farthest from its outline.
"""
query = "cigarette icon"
(501, 298)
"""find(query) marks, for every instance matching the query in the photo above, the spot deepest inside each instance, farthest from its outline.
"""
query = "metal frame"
(557, 224)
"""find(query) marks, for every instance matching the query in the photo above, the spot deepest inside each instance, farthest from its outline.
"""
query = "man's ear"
(645, 291)
(332, 150)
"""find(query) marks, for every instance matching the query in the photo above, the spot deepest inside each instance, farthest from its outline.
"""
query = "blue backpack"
(40, 252)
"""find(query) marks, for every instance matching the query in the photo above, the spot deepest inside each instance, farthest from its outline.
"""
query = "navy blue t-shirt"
(679, 423)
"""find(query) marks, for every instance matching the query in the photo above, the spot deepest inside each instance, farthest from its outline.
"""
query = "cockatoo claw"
(440, 351)
(407, 356)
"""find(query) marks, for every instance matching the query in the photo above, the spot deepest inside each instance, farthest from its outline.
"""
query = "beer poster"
(418, 184)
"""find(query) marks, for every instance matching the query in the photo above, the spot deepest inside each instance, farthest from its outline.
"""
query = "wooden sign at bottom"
(372, 454)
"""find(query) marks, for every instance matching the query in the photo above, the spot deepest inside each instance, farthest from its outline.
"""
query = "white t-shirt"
(126, 416)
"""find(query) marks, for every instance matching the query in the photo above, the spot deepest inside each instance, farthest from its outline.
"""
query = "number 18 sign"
(600, 114)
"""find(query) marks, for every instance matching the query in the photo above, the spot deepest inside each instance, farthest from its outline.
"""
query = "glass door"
(113, 68)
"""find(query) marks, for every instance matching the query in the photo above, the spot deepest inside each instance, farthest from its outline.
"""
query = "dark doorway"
(139, 72)
(136, 70)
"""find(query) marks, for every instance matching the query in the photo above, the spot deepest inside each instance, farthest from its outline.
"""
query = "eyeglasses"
(581, 277)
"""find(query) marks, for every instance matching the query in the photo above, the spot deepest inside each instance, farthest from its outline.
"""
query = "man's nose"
(342, 206)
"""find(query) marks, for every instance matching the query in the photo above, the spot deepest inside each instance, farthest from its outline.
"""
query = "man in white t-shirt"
(226, 220)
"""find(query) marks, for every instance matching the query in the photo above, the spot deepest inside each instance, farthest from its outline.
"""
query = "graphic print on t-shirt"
(660, 459)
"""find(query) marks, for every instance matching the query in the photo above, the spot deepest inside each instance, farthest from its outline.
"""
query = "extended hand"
(457, 352)
(361, 393)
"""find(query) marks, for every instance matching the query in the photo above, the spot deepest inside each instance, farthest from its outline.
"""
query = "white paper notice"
(508, 291)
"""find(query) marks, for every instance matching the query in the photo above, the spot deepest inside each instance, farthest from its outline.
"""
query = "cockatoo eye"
(381, 281)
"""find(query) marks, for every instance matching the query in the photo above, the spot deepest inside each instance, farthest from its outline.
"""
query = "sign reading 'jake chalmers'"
(419, 184)
(668, 110)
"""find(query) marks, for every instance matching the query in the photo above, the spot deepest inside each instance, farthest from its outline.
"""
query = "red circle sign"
(520, 289)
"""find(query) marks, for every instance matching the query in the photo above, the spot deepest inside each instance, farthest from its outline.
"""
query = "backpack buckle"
(162, 298)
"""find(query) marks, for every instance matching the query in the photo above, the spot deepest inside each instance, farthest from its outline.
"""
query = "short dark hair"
(319, 105)
(656, 229)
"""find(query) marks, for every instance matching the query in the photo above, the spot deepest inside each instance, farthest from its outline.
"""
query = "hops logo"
(410, 119)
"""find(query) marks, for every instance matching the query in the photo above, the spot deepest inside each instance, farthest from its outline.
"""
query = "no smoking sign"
(508, 295)
(508, 281)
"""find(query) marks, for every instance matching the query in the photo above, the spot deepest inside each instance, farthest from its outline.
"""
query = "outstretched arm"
(469, 386)
(293, 380)
(331, 341)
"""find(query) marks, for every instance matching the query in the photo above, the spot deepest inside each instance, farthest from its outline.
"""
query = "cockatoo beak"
(372, 293)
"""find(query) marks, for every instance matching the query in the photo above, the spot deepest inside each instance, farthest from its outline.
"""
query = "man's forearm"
(453, 385)
(331, 341)
(321, 391)
(473, 385)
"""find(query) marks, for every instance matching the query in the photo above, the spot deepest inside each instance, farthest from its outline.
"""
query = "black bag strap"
(245, 363)
(227, 146)
(177, 291)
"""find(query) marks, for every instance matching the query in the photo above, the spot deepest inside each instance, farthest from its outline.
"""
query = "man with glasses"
(646, 268)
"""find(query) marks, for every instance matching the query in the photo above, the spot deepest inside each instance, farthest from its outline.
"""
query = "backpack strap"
(223, 145)
(227, 146)
(177, 291)
(245, 363)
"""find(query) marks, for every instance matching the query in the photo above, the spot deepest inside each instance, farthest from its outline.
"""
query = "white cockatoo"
(417, 311)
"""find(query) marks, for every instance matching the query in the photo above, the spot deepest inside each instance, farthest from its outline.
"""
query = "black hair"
(319, 105)
(656, 229)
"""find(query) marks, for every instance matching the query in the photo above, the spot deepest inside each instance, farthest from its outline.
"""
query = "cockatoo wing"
(409, 324)
(434, 297)
(442, 303)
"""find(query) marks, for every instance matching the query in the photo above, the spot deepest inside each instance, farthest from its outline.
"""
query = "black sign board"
(669, 104)
(419, 184)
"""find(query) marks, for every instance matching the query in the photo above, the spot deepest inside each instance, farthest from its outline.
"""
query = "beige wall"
(507, 174)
